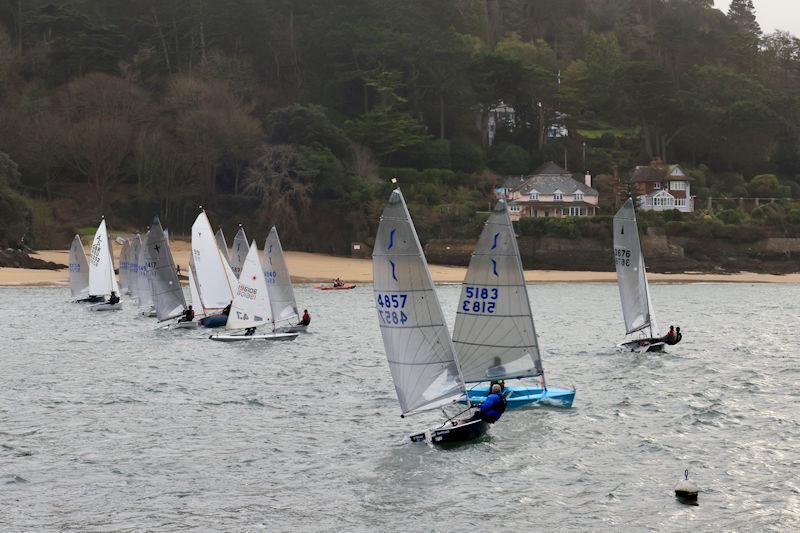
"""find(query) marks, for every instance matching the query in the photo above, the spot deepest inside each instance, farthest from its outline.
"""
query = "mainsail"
(124, 283)
(223, 245)
(78, 268)
(197, 303)
(144, 275)
(168, 296)
(215, 280)
(418, 346)
(133, 265)
(634, 291)
(494, 335)
(102, 280)
(279, 284)
(250, 306)
(238, 252)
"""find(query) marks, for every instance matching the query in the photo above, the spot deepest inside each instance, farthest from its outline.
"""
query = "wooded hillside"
(291, 111)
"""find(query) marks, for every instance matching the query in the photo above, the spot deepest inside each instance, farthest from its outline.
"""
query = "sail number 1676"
(390, 308)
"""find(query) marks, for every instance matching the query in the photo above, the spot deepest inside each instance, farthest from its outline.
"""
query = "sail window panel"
(500, 346)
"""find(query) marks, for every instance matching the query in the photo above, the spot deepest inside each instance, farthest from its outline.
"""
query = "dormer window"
(534, 194)
(558, 196)
(578, 196)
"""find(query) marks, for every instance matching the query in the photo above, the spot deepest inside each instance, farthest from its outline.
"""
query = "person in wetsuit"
(492, 407)
(188, 315)
(669, 338)
(113, 299)
(675, 339)
(306, 318)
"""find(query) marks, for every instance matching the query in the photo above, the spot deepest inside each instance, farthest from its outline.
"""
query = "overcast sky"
(773, 14)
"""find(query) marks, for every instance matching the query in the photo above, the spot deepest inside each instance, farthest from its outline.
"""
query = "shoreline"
(320, 268)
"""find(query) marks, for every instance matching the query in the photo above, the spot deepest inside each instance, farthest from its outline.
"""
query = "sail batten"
(634, 292)
(279, 283)
(419, 350)
(168, 298)
(494, 333)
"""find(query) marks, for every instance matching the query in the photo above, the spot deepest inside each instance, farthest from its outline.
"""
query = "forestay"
(418, 347)
(78, 268)
(279, 284)
(223, 245)
(102, 280)
(250, 306)
(494, 334)
(168, 296)
(213, 274)
(238, 252)
(631, 273)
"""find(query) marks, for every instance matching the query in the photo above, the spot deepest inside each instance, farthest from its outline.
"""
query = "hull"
(182, 325)
(91, 300)
(453, 434)
(214, 321)
(292, 329)
(643, 346)
(345, 287)
(259, 337)
(106, 307)
(522, 396)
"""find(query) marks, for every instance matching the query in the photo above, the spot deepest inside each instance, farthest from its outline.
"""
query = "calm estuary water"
(108, 425)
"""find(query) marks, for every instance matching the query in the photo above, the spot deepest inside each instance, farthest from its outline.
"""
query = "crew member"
(188, 315)
(113, 299)
(492, 407)
(306, 318)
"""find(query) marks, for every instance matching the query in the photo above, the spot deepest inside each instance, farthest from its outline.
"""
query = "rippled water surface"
(106, 424)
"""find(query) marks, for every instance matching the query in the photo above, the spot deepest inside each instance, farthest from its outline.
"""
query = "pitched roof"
(512, 182)
(655, 172)
(550, 169)
(548, 184)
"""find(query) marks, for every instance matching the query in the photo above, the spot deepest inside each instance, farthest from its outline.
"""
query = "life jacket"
(492, 414)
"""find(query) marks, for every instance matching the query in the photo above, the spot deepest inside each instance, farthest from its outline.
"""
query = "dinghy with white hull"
(250, 308)
(102, 280)
(494, 334)
(168, 298)
(285, 315)
(634, 290)
(419, 350)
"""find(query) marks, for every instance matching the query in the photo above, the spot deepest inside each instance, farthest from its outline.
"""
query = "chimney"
(587, 179)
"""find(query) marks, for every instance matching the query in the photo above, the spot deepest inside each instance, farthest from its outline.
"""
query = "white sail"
(250, 306)
(238, 251)
(124, 283)
(631, 272)
(197, 303)
(494, 335)
(102, 280)
(133, 265)
(223, 245)
(78, 268)
(417, 343)
(279, 283)
(215, 280)
(144, 276)
(168, 298)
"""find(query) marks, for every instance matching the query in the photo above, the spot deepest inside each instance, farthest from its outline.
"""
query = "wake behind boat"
(419, 350)
(494, 334)
(634, 290)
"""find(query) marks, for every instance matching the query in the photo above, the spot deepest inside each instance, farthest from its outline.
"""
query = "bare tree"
(276, 177)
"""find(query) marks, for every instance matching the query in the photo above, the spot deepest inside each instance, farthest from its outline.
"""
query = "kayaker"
(306, 318)
(338, 282)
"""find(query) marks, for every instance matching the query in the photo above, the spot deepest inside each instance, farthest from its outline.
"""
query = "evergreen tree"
(743, 14)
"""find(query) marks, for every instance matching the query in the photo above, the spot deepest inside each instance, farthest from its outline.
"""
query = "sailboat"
(223, 245)
(145, 279)
(279, 285)
(102, 280)
(124, 277)
(250, 308)
(78, 269)
(494, 333)
(239, 251)
(634, 291)
(133, 265)
(214, 279)
(421, 356)
(168, 298)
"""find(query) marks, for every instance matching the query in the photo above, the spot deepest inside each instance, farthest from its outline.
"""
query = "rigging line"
(455, 415)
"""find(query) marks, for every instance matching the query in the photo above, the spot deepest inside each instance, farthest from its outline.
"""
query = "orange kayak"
(345, 287)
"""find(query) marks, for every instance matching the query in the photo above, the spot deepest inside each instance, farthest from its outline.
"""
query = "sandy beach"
(315, 268)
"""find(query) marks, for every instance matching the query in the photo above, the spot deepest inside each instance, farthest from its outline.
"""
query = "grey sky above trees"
(773, 14)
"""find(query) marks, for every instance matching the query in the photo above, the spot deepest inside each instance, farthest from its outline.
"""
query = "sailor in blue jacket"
(492, 407)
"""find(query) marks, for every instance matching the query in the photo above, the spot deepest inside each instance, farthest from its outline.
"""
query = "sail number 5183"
(480, 300)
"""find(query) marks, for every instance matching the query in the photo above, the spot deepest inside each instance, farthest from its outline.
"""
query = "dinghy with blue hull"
(214, 321)
(494, 335)
(522, 396)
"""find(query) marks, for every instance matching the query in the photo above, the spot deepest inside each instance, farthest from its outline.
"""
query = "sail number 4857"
(480, 300)
(622, 257)
(390, 308)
